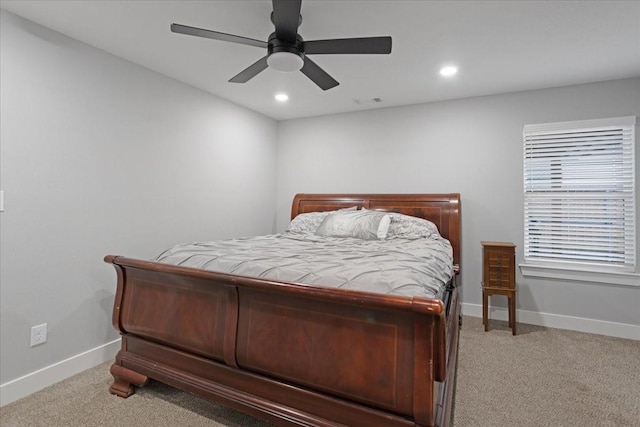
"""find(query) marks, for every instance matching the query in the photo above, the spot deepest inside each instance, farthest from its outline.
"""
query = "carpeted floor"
(541, 377)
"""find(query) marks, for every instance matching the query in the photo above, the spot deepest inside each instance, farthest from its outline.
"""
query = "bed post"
(423, 378)
(124, 379)
(115, 317)
(429, 357)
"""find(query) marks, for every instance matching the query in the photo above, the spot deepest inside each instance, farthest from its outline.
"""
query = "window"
(579, 198)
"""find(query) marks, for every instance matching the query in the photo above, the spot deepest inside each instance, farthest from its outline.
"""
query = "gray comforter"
(417, 267)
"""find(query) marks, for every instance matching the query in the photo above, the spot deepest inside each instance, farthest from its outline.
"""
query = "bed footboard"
(292, 354)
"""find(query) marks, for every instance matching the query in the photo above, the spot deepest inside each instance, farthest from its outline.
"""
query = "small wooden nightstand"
(499, 278)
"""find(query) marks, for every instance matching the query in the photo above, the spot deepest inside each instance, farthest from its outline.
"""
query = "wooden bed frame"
(294, 354)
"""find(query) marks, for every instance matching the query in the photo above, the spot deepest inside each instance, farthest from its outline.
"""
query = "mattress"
(409, 267)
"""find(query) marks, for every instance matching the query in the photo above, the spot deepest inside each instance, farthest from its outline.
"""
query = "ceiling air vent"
(367, 101)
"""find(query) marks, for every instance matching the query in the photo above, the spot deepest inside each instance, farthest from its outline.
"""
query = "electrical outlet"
(38, 334)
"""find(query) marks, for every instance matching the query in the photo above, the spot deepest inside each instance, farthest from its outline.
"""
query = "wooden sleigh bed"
(294, 354)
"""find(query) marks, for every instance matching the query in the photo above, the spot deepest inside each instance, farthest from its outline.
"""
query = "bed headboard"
(441, 209)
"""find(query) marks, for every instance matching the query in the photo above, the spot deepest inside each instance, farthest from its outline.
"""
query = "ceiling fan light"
(285, 61)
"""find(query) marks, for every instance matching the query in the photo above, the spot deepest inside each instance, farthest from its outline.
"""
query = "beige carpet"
(541, 377)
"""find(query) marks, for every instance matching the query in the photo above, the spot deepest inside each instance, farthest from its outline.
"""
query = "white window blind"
(579, 195)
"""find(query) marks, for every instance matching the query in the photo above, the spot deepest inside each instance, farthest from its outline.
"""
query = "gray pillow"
(366, 225)
(409, 227)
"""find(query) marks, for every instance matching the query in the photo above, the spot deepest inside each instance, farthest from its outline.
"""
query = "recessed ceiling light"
(282, 97)
(448, 71)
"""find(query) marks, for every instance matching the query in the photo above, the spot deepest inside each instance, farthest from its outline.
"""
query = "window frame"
(577, 270)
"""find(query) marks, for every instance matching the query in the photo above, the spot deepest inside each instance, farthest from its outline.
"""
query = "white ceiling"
(499, 46)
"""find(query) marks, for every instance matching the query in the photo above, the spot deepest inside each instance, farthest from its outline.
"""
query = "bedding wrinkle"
(409, 267)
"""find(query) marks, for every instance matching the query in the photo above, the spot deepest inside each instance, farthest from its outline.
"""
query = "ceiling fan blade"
(364, 45)
(199, 32)
(286, 17)
(318, 75)
(250, 72)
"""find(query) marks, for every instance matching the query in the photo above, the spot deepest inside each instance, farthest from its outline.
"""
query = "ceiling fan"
(287, 51)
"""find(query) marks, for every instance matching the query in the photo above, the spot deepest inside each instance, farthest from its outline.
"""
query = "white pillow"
(363, 224)
(383, 227)
(310, 221)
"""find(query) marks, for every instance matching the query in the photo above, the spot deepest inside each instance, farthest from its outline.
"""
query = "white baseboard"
(580, 324)
(35, 381)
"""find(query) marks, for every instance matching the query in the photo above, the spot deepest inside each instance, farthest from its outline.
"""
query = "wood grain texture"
(345, 349)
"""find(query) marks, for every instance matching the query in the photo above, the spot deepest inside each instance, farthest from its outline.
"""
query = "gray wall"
(101, 156)
(471, 146)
